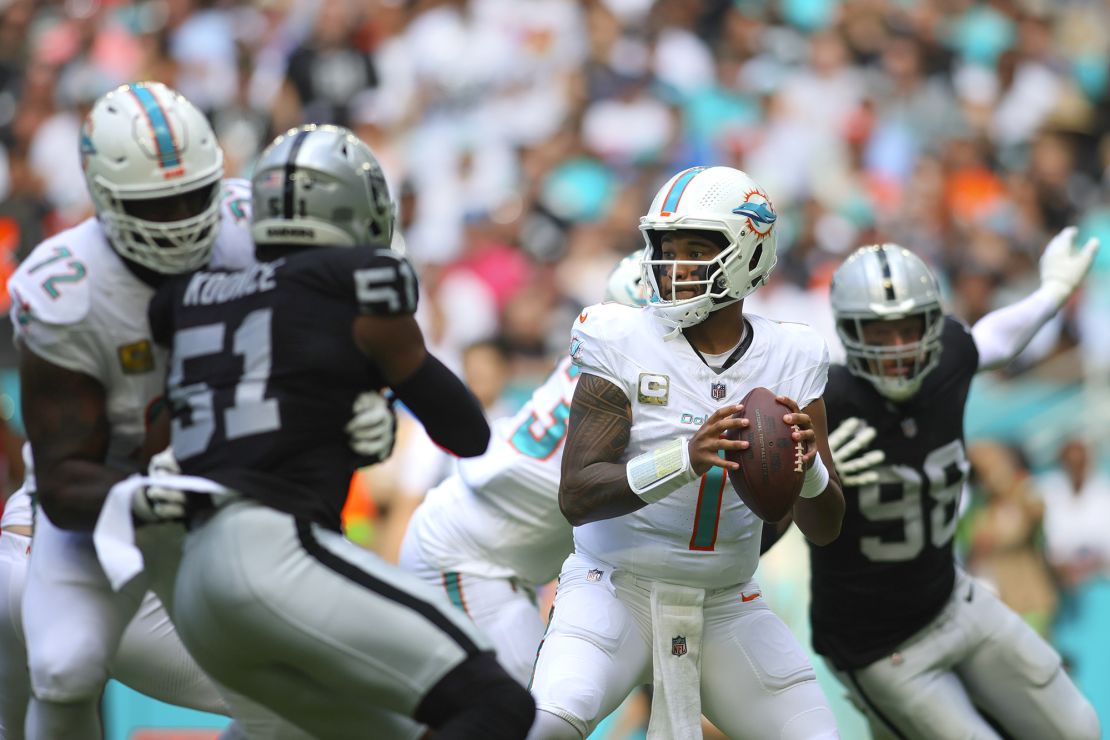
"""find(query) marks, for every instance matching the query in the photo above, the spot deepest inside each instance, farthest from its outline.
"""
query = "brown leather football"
(771, 469)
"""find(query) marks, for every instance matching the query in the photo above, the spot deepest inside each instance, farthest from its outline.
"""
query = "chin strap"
(676, 327)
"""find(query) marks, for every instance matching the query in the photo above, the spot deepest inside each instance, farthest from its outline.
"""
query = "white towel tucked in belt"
(114, 534)
(677, 623)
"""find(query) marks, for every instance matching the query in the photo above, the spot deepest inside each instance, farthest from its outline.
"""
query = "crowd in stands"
(522, 140)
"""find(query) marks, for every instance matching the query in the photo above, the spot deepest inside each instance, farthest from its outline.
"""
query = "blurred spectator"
(1077, 517)
(1005, 533)
(333, 66)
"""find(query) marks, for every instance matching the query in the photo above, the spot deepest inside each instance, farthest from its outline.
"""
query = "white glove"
(164, 463)
(1063, 266)
(153, 504)
(846, 441)
(373, 426)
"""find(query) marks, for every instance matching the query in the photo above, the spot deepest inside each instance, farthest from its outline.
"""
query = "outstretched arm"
(449, 411)
(1002, 334)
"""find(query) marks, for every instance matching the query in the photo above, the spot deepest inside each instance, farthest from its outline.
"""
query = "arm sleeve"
(591, 347)
(448, 410)
(1002, 334)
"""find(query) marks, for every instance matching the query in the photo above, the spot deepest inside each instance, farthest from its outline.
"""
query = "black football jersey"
(892, 569)
(264, 371)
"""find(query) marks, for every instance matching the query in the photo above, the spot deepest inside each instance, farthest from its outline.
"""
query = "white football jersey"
(77, 305)
(701, 535)
(501, 518)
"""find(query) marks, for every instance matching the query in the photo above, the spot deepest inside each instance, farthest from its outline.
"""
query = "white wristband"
(817, 478)
(658, 473)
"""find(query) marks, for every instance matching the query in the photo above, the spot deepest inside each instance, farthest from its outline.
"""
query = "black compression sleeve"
(450, 413)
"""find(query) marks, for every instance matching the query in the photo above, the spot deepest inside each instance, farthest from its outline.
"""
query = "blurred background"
(522, 140)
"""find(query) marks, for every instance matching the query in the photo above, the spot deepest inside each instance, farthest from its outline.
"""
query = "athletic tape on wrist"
(817, 477)
(658, 473)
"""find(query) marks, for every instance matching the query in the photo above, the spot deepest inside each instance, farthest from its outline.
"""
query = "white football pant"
(501, 607)
(78, 631)
(976, 653)
(756, 680)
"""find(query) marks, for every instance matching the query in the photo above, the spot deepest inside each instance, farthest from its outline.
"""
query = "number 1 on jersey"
(707, 515)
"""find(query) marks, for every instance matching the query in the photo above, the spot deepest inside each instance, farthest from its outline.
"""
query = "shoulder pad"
(597, 334)
(235, 200)
(234, 249)
(52, 284)
(605, 317)
(385, 283)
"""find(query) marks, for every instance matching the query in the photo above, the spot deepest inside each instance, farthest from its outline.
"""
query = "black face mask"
(177, 207)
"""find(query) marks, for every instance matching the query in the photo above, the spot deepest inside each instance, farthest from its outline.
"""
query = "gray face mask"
(885, 282)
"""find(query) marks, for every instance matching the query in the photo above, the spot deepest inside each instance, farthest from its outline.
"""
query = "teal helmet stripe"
(159, 126)
(675, 193)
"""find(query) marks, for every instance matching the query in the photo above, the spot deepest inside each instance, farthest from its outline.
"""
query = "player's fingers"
(863, 462)
(719, 462)
(843, 432)
(798, 419)
(808, 437)
(788, 402)
(860, 479)
(860, 441)
(719, 427)
(710, 446)
(731, 422)
(731, 444)
(1088, 250)
(724, 412)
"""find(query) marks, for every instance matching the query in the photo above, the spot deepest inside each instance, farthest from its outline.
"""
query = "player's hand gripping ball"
(771, 468)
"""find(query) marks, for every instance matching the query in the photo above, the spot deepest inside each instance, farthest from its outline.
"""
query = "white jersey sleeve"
(51, 294)
(806, 364)
(234, 249)
(595, 341)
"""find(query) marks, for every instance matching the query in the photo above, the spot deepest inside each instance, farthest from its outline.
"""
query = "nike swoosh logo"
(582, 318)
(749, 597)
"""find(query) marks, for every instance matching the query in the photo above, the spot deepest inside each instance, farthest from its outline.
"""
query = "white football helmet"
(320, 185)
(722, 200)
(886, 282)
(147, 151)
(626, 282)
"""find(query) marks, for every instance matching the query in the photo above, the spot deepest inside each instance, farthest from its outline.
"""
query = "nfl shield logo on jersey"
(678, 646)
(718, 391)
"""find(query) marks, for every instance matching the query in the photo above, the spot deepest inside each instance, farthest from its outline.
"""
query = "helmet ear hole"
(756, 255)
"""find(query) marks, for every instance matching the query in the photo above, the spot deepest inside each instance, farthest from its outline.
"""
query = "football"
(771, 468)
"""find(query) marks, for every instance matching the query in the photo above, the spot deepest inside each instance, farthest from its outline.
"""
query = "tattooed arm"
(66, 416)
(593, 484)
